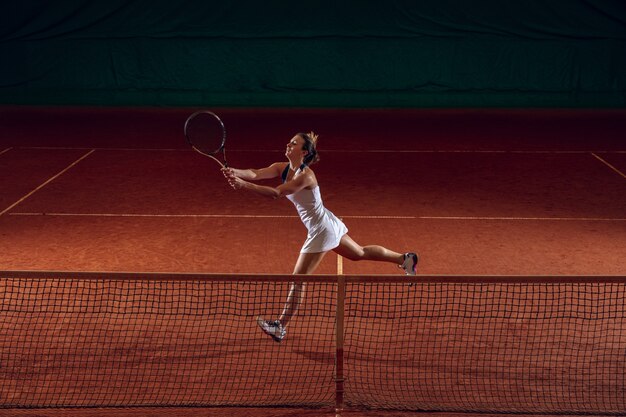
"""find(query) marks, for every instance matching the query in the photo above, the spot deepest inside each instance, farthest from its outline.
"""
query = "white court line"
(234, 216)
(263, 216)
(496, 151)
(609, 165)
(78, 148)
(562, 219)
(47, 182)
(5, 150)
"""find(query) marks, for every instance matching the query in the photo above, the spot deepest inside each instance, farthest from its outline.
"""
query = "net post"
(339, 378)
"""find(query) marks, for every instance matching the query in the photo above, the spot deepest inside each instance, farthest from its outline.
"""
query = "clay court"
(518, 217)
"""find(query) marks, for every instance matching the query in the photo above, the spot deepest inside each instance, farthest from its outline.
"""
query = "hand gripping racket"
(206, 134)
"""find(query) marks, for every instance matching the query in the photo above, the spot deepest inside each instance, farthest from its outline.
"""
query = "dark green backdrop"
(315, 53)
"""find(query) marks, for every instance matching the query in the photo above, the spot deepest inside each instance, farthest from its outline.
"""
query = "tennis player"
(325, 231)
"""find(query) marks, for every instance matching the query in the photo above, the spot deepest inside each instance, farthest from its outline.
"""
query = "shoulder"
(309, 175)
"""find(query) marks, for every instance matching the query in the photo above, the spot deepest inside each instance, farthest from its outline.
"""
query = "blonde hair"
(313, 136)
(310, 145)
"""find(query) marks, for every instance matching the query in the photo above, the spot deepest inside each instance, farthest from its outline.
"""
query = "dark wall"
(427, 53)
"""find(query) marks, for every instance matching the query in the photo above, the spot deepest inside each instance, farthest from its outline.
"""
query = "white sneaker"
(410, 263)
(273, 329)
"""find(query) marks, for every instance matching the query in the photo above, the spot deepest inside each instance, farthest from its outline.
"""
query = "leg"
(306, 264)
(348, 248)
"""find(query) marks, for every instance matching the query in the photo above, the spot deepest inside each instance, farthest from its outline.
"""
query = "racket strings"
(205, 132)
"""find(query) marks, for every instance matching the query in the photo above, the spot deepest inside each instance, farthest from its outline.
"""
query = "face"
(294, 148)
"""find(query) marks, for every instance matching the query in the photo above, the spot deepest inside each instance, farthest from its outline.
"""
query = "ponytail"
(310, 145)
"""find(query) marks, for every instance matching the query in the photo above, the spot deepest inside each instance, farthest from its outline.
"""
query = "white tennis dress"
(325, 230)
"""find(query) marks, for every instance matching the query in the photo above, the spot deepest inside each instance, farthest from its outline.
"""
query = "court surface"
(475, 192)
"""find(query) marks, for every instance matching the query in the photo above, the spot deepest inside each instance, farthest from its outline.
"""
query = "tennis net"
(479, 344)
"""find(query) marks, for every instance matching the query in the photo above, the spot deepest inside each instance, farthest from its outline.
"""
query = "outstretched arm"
(290, 187)
(271, 171)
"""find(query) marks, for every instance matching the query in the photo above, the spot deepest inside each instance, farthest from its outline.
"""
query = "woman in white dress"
(325, 231)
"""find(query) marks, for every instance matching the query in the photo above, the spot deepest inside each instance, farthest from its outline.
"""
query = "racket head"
(205, 132)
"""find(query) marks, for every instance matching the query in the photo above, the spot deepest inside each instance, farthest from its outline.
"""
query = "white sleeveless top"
(325, 230)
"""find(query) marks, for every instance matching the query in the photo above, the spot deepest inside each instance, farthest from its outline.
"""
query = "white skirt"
(325, 236)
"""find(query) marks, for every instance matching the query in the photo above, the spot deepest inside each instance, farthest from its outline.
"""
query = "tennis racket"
(206, 134)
